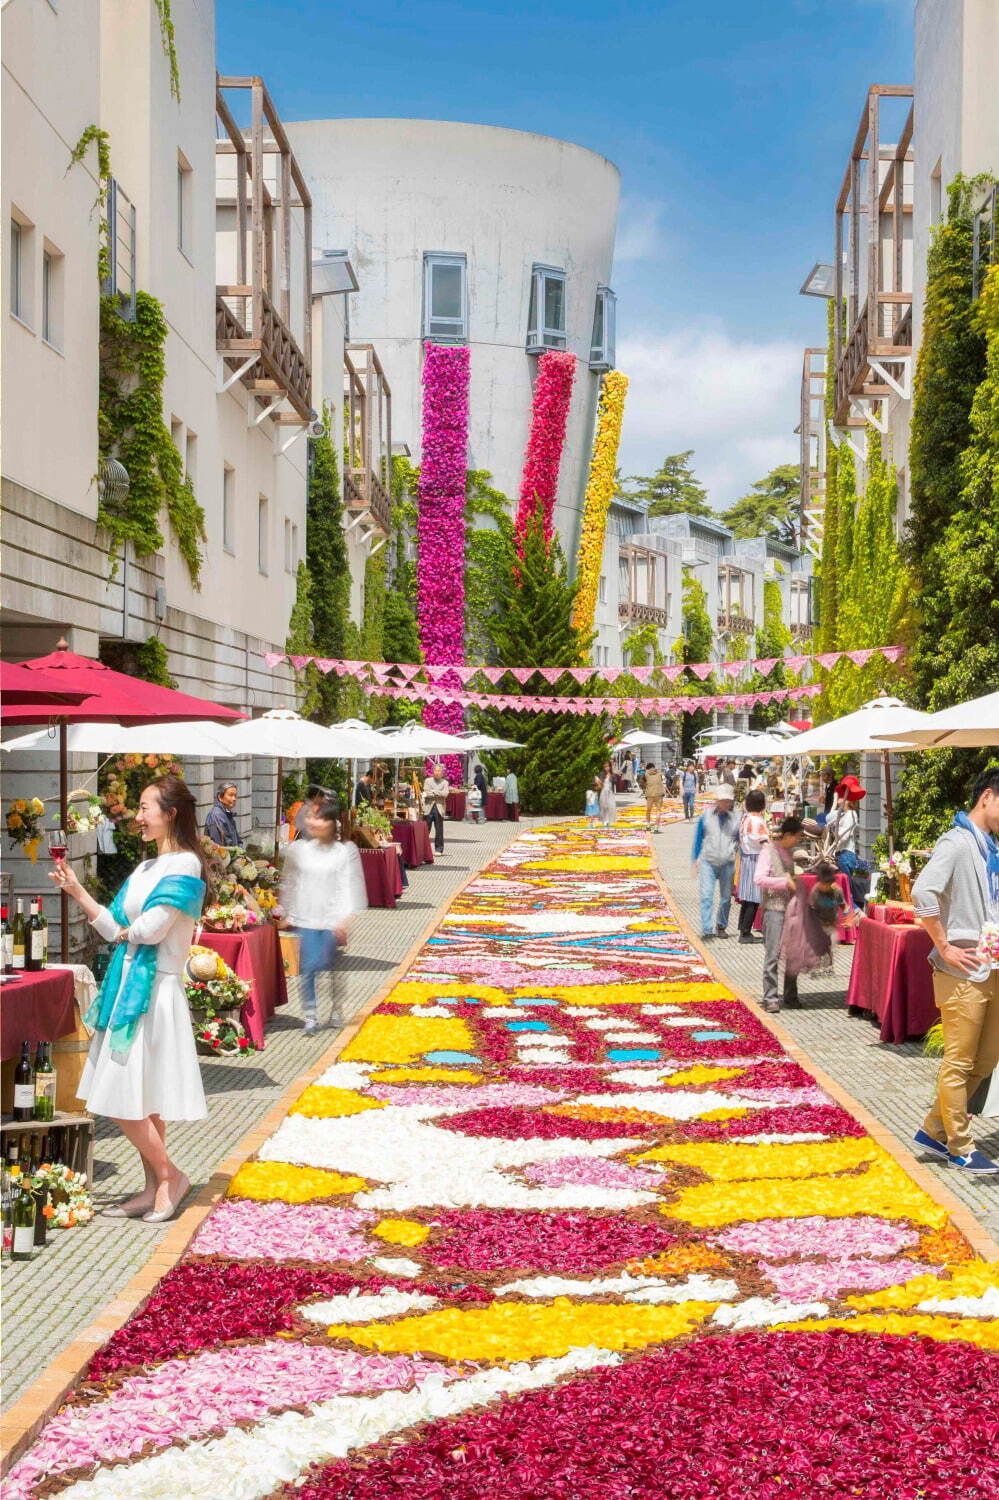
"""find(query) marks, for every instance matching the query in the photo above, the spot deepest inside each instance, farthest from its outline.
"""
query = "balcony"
(642, 614)
(873, 341)
(812, 456)
(368, 441)
(800, 633)
(732, 623)
(263, 210)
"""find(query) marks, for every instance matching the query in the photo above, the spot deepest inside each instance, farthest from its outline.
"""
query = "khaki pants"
(970, 1016)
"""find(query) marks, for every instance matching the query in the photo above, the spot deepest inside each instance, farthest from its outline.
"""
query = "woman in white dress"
(142, 1069)
(608, 801)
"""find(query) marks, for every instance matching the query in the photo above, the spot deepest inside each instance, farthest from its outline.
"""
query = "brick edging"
(21, 1423)
(965, 1221)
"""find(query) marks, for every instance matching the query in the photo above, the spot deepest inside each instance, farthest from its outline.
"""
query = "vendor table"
(892, 978)
(495, 807)
(456, 806)
(414, 840)
(382, 876)
(36, 1007)
(894, 913)
(254, 955)
(807, 882)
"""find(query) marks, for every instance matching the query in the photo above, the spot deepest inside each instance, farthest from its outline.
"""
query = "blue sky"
(730, 121)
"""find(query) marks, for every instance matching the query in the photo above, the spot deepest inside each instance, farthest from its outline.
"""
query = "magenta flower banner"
(549, 414)
(440, 568)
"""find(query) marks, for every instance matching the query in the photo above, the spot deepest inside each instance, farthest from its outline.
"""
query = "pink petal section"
(245, 1229)
(587, 1171)
(819, 1236)
(804, 1281)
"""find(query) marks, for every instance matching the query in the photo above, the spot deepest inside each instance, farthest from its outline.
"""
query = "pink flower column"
(549, 414)
(440, 568)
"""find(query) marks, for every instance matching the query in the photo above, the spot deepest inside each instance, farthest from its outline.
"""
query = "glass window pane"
(597, 341)
(15, 267)
(532, 316)
(445, 291)
(555, 304)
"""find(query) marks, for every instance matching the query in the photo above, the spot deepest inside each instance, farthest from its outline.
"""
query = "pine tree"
(672, 490)
(532, 625)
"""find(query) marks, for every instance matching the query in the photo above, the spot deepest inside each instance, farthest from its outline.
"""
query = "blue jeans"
(710, 876)
(316, 955)
(688, 804)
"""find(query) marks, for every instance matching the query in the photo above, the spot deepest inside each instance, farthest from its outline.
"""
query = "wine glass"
(57, 844)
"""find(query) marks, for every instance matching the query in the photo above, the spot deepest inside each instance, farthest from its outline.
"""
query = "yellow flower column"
(599, 490)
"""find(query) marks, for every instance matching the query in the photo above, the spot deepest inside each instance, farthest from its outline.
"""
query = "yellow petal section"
(269, 1180)
(972, 1279)
(401, 1231)
(513, 1330)
(728, 1161)
(586, 862)
(428, 992)
(321, 1103)
(403, 1039)
(884, 1190)
(700, 1073)
(426, 1075)
(984, 1333)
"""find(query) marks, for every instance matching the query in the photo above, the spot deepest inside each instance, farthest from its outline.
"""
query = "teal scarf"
(126, 1004)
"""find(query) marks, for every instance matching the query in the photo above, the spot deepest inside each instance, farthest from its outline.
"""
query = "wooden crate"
(289, 952)
(72, 1139)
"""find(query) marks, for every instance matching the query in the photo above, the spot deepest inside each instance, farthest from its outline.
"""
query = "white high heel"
(183, 1187)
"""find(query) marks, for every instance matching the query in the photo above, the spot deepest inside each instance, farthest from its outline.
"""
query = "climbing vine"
(696, 645)
(486, 552)
(169, 40)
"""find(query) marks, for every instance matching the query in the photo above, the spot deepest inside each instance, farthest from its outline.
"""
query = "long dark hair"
(176, 797)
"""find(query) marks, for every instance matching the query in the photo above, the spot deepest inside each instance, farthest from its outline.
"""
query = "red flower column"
(549, 414)
(440, 568)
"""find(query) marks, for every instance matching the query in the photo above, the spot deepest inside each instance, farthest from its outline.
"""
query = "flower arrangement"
(84, 812)
(68, 1198)
(238, 878)
(372, 817)
(210, 985)
(546, 439)
(440, 567)
(123, 779)
(23, 815)
(230, 916)
(225, 1036)
(599, 492)
(988, 944)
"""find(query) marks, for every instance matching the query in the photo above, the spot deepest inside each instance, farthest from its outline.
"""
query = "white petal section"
(550, 921)
(631, 1288)
(641, 1077)
(778, 1139)
(397, 1265)
(694, 1289)
(689, 1020)
(356, 1307)
(610, 1023)
(249, 1465)
(541, 1039)
(632, 1035)
(437, 1011)
(761, 1312)
(539, 1057)
(660, 1010)
(347, 1075)
(424, 1167)
(985, 1306)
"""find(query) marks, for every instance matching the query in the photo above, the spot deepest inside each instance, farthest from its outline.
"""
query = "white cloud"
(640, 233)
(734, 401)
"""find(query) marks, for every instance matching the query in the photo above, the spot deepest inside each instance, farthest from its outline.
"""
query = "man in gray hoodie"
(716, 835)
(954, 896)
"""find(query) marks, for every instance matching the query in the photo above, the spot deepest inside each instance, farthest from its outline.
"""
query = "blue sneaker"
(975, 1161)
(929, 1142)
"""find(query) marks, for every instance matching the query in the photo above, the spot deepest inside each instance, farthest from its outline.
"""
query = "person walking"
(322, 886)
(480, 781)
(777, 882)
(715, 842)
(220, 824)
(315, 797)
(142, 1068)
(753, 834)
(435, 790)
(608, 798)
(511, 797)
(475, 810)
(688, 790)
(655, 791)
(593, 803)
(954, 895)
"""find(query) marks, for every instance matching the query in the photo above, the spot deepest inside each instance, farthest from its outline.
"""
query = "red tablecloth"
(254, 955)
(414, 839)
(843, 934)
(36, 1007)
(892, 978)
(456, 805)
(495, 807)
(382, 876)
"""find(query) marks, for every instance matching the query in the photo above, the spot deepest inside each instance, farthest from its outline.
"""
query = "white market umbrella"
(195, 737)
(966, 724)
(751, 747)
(867, 730)
(417, 739)
(489, 742)
(635, 738)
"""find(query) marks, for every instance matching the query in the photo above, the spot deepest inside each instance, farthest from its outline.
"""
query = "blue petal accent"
(452, 1057)
(633, 1054)
(519, 1001)
(714, 1036)
(527, 1026)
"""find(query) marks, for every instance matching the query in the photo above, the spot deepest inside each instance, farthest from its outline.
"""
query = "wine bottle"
(33, 939)
(45, 1083)
(23, 1245)
(24, 1087)
(18, 938)
(6, 940)
(7, 1215)
(44, 927)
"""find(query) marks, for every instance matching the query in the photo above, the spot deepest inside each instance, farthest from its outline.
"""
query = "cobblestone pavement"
(51, 1298)
(893, 1082)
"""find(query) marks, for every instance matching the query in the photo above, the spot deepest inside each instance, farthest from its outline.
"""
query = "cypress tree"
(531, 624)
(329, 569)
(696, 646)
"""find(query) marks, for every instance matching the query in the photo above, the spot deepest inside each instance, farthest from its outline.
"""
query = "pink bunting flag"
(765, 665)
(551, 674)
(494, 673)
(641, 674)
(522, 673)
(273, 657)
(581, 673)
(828, 659)
(701, 669)
(298, 662)
(891, 653)
(671, 673)
(612, 673)
(795, 662)
(733, 668)
(860, 658)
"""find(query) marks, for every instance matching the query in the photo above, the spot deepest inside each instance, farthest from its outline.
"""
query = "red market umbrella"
(108, 697)
(39, 690)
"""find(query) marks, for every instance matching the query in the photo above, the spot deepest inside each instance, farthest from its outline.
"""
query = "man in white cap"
(715, 842)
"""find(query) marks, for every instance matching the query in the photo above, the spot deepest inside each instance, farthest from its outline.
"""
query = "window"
(191, 457)
(16, 251)
(294, 548)
(120, 280)
(445, 298)
(185, 179)
(546, 317)
(21, 280)
(289, 554)
(602, 589)
(228, 509)
(263, 534)
(602, 344)
(936, 193)
(52, 297)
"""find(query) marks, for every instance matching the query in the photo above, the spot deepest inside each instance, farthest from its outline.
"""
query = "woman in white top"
(142, 1069)
(322, 886)
(753, 834)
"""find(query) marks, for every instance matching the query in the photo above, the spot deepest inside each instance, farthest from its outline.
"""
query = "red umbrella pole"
(889, 810)
(277, 804)
(63, 810)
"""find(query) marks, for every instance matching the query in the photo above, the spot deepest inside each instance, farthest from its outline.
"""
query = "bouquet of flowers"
(988, 945)
(230, 916)
(88, 813)
(123, 779)
(241, 879)
(68, 1200)
(23, 816)
(225, 1037)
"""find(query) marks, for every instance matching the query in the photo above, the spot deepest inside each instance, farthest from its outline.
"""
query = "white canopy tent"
(197, 737)
(417, 739)
(476, 741)
(636, 738)
(752, 747)
(970, 724)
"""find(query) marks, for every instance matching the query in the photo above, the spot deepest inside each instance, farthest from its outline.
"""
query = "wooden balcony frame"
(872, 332)
(812, 438)
(732, 623)
(642, 614)
(367, 400)
(646, 611)
(253, 316)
